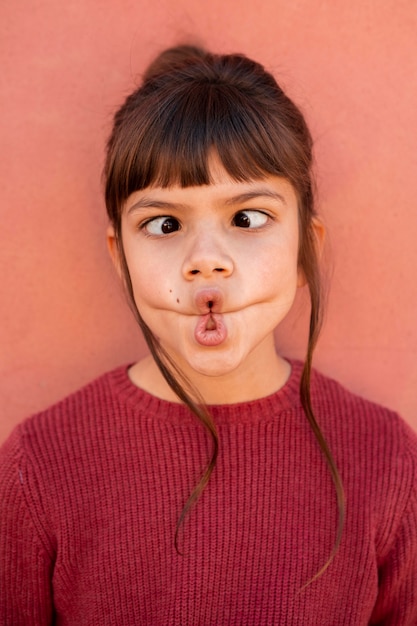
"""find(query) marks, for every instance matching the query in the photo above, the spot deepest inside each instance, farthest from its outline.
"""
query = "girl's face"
(214, 271)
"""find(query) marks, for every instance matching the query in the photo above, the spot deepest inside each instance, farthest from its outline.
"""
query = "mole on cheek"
(178, 301)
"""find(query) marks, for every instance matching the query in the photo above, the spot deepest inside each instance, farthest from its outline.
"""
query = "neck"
(254, 380)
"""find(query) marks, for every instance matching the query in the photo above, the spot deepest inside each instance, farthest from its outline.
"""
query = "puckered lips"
(210, 329)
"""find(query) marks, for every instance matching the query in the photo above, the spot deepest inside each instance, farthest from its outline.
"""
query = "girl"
(214, 482)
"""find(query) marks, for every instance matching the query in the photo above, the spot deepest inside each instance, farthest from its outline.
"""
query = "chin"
(213, 366)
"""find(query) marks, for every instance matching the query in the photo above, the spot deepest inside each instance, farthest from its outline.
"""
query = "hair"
(191, 103)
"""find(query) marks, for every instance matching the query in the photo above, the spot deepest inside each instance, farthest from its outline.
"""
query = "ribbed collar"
(288, 397)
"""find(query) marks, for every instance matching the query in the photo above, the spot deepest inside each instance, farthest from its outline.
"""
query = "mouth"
(211, 323)
(210, 329)
(209, 300)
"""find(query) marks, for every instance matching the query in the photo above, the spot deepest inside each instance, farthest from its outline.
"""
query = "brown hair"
(191, 102)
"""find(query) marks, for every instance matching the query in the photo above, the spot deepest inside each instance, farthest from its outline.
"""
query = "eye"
(162, 226)
(250, 219)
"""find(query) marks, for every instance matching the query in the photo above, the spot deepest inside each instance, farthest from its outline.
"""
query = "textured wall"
(65, 67)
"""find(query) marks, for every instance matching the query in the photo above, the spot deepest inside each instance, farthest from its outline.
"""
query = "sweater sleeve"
(397, 597)
(26, 562)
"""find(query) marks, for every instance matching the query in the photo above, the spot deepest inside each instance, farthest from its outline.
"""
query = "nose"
(207, 256)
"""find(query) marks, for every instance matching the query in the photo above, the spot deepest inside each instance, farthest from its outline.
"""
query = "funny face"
(214, 270)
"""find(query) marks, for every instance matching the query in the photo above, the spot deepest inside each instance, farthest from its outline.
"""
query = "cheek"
(147, 286)
(278, 267)
(152, 281)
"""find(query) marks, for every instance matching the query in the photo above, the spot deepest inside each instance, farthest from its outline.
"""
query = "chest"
(260, 531)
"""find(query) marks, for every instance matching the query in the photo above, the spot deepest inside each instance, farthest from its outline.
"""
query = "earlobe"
(113, 248)
(301, 281)
(319, 231)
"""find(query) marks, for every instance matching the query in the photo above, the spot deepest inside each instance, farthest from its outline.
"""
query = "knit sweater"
(92, 488)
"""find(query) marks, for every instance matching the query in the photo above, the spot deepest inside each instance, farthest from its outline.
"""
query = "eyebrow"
(256, 193)
(149, 202)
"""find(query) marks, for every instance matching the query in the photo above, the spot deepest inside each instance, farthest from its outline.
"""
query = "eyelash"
(162, 219)
(256, 212)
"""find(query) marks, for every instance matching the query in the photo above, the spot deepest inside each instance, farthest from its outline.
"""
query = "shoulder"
(95, 398)
(375, 450)
(75, 417)
(344, 412)
(61, 443)
(360, 427)
(364, 435)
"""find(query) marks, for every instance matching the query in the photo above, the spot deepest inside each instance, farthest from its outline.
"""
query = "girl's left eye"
(250, 219)
(162, 226)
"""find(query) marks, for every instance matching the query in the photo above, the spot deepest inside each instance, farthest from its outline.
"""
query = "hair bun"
(172, 58)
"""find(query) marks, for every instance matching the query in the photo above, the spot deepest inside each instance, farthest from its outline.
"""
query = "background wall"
(66, 66)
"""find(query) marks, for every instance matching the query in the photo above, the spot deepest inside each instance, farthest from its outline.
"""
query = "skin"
(195, 265)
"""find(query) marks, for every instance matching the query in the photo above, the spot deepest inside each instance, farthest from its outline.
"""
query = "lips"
(209, 300)
(210, 329)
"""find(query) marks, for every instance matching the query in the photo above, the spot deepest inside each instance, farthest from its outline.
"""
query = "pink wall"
(352, 67)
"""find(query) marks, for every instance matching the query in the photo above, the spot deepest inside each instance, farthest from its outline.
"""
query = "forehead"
(222, 189)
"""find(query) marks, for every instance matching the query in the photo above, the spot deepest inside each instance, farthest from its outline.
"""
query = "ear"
(319, 231)
(113, 248)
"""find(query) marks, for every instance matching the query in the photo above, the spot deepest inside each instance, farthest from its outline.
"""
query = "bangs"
(176, 148)
(173, 144)
(168, 129)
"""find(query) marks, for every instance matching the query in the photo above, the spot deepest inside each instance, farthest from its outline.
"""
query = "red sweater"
(92, 488)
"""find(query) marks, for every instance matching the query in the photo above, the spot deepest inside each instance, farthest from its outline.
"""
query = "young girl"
(214, 482)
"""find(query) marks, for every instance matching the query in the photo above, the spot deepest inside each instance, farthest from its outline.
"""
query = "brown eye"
(250, 219)
(162, 226)
(241, 220)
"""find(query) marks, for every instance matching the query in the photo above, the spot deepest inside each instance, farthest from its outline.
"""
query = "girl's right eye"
(162, 226)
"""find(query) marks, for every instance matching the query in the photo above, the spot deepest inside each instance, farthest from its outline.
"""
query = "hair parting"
(190, 104)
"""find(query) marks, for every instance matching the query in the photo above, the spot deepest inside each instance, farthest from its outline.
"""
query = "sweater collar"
(287, 397)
